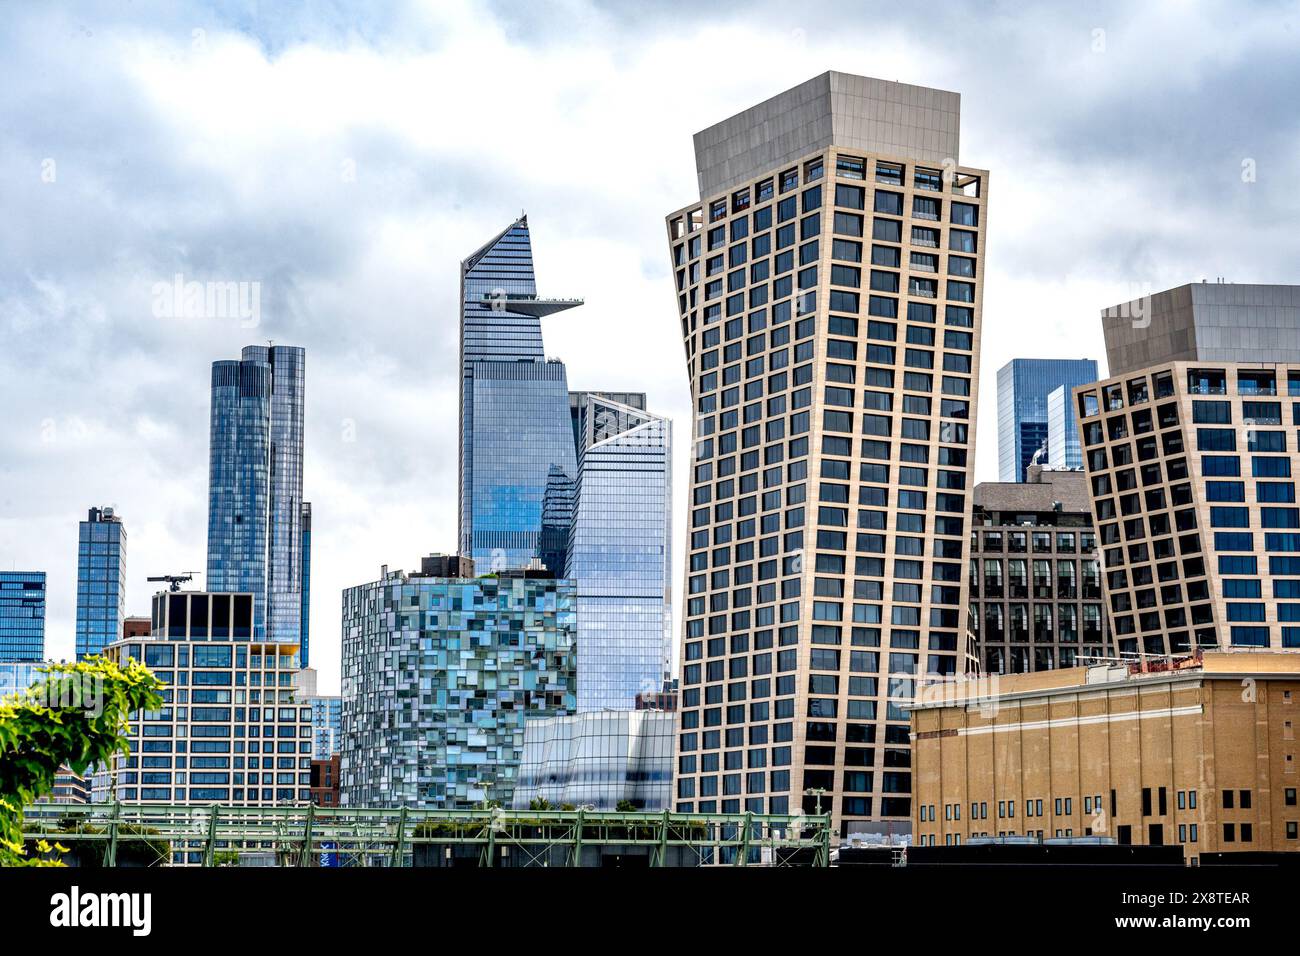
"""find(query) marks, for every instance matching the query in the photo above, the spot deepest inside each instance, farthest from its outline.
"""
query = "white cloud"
(348, 166)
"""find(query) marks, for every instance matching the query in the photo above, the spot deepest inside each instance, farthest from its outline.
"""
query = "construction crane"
(174, 581)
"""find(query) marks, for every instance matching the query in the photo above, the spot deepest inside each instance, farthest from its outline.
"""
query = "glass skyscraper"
(1023, 388)
(101, 581)
(515, 438)
(255, 512)
(1063, 447)
(22, 615)
(619, 552)
(439, 677)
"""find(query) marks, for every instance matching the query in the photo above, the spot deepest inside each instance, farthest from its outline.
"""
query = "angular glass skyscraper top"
(101, 581)
(1023, 388)
(515, 438)
(22, 615)
(618, 553)
(255, 485)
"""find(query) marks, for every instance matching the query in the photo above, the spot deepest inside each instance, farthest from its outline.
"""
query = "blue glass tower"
(101, 581)
(255, 486)
(1023, 388)
(516, 438)
(22, 615)
(619, 553)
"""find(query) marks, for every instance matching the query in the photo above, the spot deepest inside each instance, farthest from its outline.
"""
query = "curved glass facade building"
(599, 760)
(514, 405)
(255, 541)
(619, 552)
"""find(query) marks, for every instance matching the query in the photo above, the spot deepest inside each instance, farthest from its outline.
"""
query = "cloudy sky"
(347, 162)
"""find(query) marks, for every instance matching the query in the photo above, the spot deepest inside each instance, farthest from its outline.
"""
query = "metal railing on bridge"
(209, 835)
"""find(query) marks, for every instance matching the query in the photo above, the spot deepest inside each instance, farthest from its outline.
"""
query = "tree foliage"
(77, 716)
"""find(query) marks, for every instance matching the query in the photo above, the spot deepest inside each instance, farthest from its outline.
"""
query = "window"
(889, 173)
(964, 214)
(889, 203)
(851, 167)
(852, 197)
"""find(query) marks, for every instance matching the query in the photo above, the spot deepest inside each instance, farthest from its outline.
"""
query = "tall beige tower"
(829, 283)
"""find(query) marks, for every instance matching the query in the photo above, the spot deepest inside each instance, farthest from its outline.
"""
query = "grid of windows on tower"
(1190, 468)
(830, 314)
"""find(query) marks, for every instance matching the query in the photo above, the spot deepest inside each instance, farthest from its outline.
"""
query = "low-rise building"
(325, 781)
(1035, 583)
(1199, 751)
(137, 627)
(231, 729)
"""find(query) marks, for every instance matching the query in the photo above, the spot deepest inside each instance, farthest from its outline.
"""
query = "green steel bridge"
(209, 835)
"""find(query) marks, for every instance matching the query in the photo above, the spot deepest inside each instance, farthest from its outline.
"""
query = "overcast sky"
(347, 162)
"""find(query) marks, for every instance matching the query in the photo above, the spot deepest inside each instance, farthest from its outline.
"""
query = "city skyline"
(377, 481)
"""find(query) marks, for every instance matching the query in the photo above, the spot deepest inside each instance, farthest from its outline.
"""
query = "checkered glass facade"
(439, 676)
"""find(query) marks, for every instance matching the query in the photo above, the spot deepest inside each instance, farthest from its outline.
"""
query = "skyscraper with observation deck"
(516, 436)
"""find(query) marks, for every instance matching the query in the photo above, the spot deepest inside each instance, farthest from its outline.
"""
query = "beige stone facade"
(1200, 753)
(1191, 469)
(830, 311)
